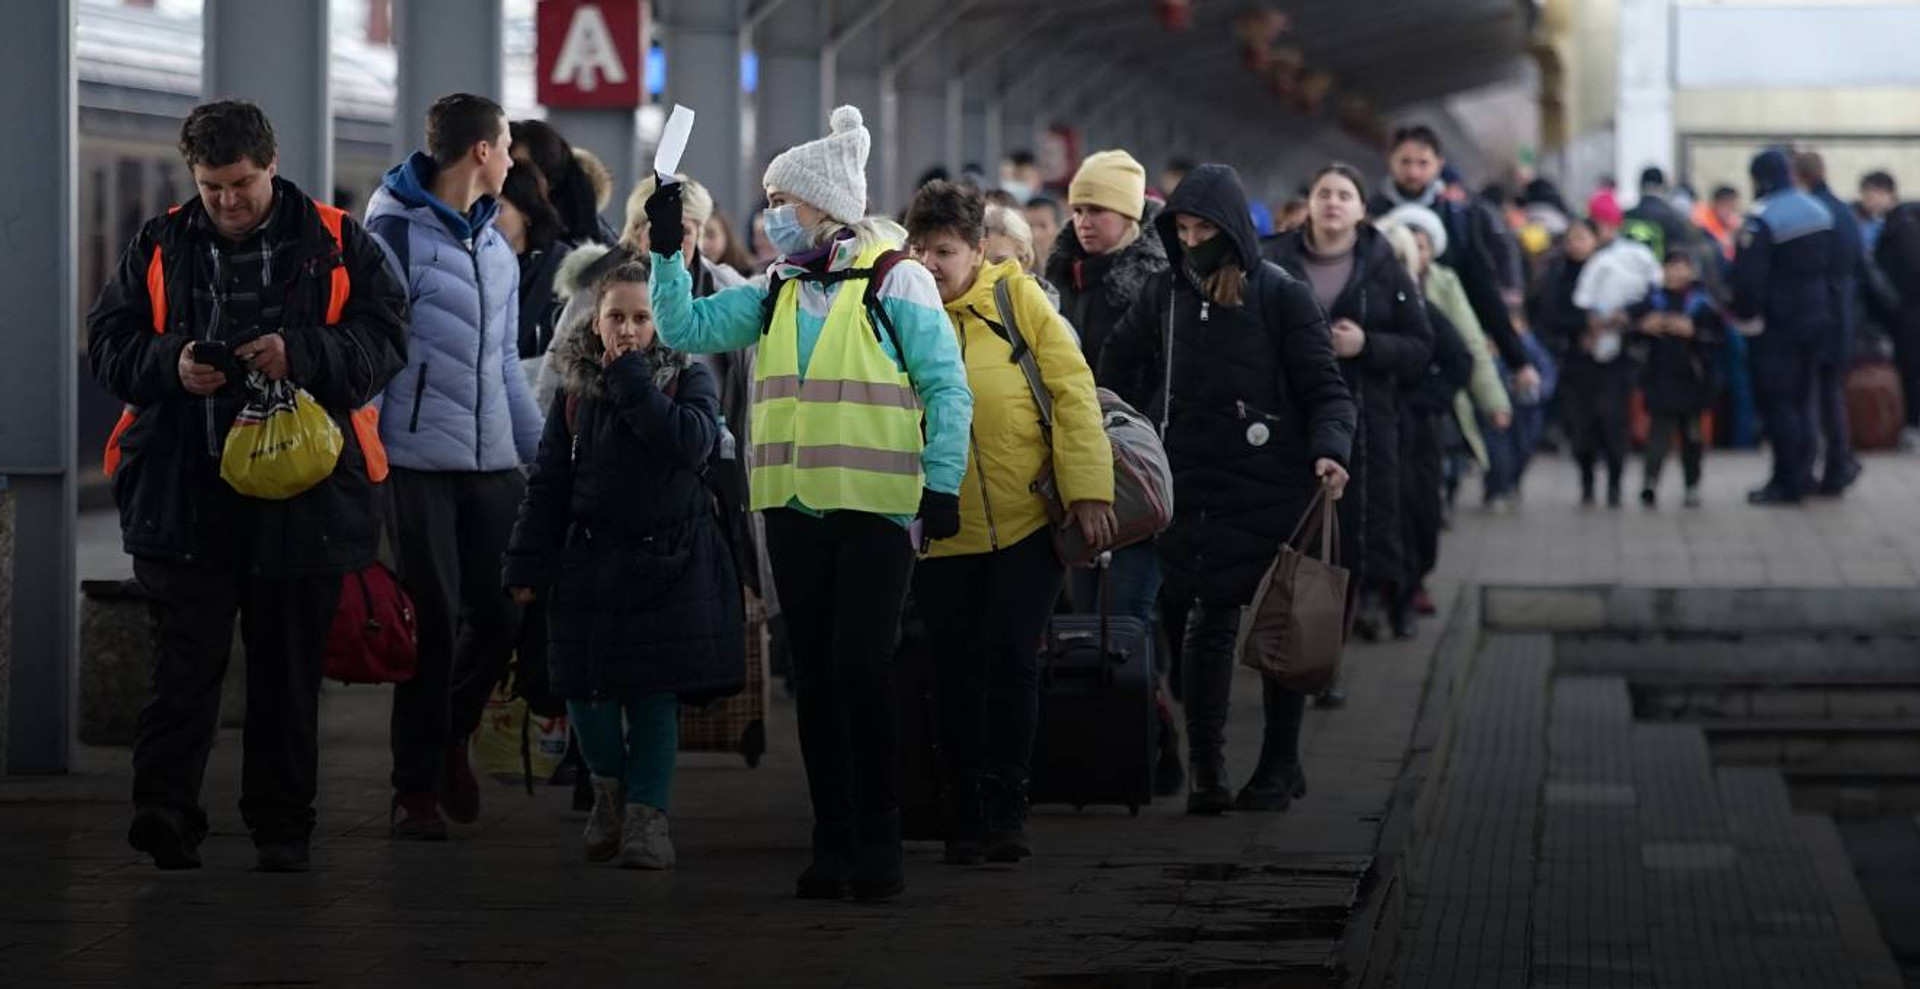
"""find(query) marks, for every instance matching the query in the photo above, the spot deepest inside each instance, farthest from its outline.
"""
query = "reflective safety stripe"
(826, 390)
(846, 457)
(849, 436)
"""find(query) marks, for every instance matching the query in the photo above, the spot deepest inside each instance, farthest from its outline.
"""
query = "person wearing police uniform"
(861, 414)
(1783, 299)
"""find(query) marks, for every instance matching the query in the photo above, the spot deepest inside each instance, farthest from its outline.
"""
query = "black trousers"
(1596, 398)
(452, 530)
(1783, 387)
(985, 616)
(843, 581)
(1207, 664)
(1830, 449)
(1421, 508)
(1660, 438)
(283, 627)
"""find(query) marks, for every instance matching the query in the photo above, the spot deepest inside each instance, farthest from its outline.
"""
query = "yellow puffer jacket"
(997, 505)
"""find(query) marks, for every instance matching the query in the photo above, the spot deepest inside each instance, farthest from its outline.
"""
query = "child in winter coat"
(1676, 332)
(620, 534)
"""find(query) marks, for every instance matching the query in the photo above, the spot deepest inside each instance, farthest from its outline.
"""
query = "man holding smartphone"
(249, 278)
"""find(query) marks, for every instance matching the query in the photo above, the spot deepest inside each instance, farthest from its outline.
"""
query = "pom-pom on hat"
(830, 173)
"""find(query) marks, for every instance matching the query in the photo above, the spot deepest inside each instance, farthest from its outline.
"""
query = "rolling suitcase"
(737, 723)
(1097, 726)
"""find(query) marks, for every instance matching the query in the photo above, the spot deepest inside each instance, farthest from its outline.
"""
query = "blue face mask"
(784, 231)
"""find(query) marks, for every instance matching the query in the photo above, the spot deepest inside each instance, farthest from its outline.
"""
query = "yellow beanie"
(1111, 180)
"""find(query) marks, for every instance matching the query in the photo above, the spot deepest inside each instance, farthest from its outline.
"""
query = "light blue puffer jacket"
(462, 403)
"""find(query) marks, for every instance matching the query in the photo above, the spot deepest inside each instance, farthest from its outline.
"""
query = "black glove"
(939, 514)
(664, 232)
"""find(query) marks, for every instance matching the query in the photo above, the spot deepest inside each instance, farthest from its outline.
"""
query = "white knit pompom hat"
(830, 173)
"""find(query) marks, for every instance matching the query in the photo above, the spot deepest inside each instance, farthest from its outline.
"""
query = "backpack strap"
(875, 276)
(1023, 354)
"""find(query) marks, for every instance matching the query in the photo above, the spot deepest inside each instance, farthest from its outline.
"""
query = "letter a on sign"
(590, 53)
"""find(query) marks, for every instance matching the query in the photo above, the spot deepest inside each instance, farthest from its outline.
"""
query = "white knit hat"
(1417, 217)
(830, 173)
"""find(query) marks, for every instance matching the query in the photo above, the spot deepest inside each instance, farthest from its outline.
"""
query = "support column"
(791, 106)
(38, 588)
(442, 47)
(1644, 121)
(703, 41)
(859, 81)
(921, 84)
(275, 52)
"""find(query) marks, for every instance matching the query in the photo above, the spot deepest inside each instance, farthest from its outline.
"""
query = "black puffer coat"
(1380, 296)
(1267, 363)
(620, 533)
(173, 506)
(1097, 290)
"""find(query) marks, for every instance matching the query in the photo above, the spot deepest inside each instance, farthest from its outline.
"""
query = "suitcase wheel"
(1133, 809)
(1078, 808)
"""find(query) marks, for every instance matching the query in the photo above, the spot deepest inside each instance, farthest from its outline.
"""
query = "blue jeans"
(1134, 579)
(635, 739)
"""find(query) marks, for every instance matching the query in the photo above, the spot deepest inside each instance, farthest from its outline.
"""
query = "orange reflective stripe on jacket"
(366, 419)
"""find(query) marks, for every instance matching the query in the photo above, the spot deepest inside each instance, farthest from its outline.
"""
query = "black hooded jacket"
(1380, 296)
(1096, 290)
(1256, 398)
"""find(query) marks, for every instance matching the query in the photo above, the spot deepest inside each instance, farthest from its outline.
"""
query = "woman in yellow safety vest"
(860, 419)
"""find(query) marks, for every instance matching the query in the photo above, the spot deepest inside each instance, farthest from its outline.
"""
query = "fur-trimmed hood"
(577, 360)
(1132, 267)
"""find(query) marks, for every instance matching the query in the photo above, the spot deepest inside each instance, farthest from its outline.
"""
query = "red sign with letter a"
(590, 53)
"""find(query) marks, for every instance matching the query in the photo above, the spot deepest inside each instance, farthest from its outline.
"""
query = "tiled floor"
(1251, 898)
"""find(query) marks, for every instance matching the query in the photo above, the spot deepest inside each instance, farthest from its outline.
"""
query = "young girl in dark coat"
(619, 533)
(1676, 335)
(1380, 333)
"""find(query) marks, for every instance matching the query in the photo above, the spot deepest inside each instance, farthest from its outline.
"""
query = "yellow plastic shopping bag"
(515, 745)
(281, 444)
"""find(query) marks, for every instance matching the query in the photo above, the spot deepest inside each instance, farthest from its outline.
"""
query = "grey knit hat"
(830, 173)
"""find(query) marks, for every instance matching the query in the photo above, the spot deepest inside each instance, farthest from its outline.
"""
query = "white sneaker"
(1910, 439)
(644, 843)
(602, 839)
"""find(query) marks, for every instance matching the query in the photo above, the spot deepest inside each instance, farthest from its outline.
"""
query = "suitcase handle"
(1103, 674)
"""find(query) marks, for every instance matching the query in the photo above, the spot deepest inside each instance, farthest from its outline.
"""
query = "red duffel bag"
(1874, 407)
(375, 636)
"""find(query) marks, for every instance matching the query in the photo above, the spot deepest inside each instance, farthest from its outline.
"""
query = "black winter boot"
(966, 843)
(879, 863)
(1006, 804)
(1273, 788)
(1209, 796)
(830, 876)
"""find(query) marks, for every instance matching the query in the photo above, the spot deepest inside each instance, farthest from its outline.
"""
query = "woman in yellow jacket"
(985, 594)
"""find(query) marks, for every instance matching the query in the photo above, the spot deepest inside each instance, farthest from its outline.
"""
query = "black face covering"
(1209, 256)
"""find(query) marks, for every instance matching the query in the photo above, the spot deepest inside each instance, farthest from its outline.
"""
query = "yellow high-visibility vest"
(848, 437)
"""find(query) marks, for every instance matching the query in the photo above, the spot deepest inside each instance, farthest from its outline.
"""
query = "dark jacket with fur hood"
(1096, 290)
(1256, 397)
(619, 533)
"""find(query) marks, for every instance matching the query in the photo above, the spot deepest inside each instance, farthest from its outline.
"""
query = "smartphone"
(218, 355)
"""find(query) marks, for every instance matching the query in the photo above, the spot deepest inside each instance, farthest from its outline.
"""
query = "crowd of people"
(598, 444)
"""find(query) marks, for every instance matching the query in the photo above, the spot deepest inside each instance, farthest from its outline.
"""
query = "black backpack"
(876, 276)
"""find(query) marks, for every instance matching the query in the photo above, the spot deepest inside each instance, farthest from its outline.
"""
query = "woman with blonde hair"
(860, 419)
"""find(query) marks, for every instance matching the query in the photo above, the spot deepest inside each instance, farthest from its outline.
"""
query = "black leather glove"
(939, 514)
(664, 230)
